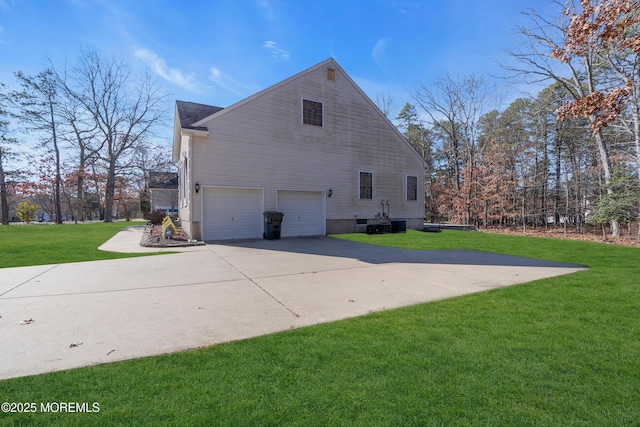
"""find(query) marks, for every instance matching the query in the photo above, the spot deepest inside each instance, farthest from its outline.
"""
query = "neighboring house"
(163, 192)
(313, 147)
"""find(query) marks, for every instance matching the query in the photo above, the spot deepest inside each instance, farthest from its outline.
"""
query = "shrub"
(155, 217)
(26, 211)
(167, 224)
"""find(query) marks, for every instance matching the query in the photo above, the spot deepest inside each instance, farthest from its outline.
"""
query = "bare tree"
(611, 29)
(38, 106)
(81, 134)
(385, 103)
(125, 108)
(5, 154)
(566, 50)
(454, 108)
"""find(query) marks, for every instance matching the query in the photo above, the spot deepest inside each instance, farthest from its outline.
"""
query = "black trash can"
(398, 226)
(272, 223)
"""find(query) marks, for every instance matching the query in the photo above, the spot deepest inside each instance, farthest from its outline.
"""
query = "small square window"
(331, 74)
(412, 188)
(311, 112)
(365, 182)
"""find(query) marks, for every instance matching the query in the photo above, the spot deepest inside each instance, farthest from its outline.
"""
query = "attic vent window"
(311, 112)
(331, 74)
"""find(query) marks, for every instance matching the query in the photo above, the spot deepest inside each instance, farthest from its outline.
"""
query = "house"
(163, 192)
(313, 147)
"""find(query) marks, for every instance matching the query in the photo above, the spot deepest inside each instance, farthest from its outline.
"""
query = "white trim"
(195, 132)
(298, 189)
(183, 182)
(306, 98)
(372, 184)
(406, 187)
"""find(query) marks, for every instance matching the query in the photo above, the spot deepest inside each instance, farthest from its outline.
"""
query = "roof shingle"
(190, 112)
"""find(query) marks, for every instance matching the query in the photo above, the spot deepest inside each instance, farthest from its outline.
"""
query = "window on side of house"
(412, 187)
(311, 112)
(365, 184)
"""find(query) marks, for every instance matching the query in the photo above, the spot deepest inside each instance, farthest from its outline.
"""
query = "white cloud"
(275, 51)
(378, 50)
(159, 66)
(226, 82)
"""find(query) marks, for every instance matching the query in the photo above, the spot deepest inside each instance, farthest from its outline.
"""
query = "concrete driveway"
(104, 311)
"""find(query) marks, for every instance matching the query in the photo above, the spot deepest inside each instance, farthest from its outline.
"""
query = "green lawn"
(38, 244)
(556, 352)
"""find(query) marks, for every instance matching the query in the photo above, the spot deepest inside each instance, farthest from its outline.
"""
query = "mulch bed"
(152, 237)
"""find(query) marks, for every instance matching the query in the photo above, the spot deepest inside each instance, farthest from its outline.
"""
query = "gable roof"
(329, 61)
(198, 124)
(186, 114)
(163, 180)
(192, 112)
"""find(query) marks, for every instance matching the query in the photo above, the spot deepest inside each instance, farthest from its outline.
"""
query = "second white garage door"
(303, 213)
(232, 213)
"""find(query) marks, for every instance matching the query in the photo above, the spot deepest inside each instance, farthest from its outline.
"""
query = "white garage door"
(303, 213)
(232, 213)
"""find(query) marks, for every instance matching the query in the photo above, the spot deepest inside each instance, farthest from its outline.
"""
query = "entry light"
(197, 187)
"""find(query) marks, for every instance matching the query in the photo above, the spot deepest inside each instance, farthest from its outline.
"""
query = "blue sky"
(218, 52)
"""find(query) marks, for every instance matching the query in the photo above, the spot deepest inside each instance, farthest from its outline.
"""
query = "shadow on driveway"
(374, 254)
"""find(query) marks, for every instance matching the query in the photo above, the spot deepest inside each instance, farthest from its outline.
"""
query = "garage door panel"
(230, 213)
(303, 213)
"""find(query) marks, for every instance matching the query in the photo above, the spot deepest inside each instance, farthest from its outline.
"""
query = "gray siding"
(262, 143)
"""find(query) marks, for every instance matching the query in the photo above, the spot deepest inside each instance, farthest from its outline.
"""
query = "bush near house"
(155, 217)
(167, 224)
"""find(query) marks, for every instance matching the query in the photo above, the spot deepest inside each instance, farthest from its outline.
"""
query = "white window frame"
(406, 188)
(302, 111)
(372, 184)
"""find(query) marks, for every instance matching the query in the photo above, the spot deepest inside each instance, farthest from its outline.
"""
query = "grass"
(561, 351)
(37, 244)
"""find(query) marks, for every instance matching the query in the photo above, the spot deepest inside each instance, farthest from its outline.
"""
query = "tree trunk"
(558, 174)
(56, 195)
(80, 188)
(606, 167)
(3, 193)
(524, 217)
(636, 137)
(110, 191)
(636, 134)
